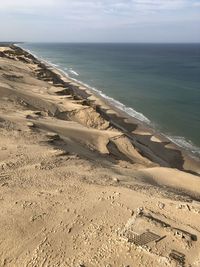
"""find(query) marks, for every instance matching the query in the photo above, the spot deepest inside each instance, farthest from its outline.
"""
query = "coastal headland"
(84, 184)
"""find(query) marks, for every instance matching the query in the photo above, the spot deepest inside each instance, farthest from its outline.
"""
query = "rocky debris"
(39, 113)
(192, 207)
(53, 136)
(139, 210)
(161, 205)
(178, 257)
(183, 206)
(32, 116)
(116, 180)
(30, 124)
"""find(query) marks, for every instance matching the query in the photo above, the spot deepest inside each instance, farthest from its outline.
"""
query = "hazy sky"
(100, 20)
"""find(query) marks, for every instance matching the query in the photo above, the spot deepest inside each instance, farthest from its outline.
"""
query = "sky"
(100, 20)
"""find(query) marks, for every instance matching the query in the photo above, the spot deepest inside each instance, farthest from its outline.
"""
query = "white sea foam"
(130, 111)
(55, 65)
(73, 72)
(186, 144)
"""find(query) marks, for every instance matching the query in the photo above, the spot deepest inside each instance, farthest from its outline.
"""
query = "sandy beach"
(84, 184)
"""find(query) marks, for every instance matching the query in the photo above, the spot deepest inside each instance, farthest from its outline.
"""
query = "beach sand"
(82, 184)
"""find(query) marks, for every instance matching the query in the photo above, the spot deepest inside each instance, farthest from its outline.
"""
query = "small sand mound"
(90, 118)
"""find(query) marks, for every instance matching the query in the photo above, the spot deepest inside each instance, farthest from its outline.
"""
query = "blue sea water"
(157, 83)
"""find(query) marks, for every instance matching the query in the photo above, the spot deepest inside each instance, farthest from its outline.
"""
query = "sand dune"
(80, 185)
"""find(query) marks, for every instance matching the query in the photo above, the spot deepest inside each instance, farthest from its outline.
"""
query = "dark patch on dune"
(12, 77)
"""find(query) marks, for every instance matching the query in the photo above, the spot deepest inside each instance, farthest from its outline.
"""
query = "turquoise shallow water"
(159, 82)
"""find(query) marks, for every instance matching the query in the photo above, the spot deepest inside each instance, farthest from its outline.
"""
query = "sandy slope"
(75, 190)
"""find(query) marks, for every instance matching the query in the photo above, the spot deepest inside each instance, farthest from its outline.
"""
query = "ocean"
(156, 83)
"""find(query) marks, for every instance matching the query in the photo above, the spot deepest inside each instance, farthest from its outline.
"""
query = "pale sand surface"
(78, 190)
(2, 49)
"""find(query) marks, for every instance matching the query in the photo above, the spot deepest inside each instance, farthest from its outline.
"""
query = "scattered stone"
(116, 180)
(161, 205)
(178, 257)
(53, 136)
(32, 117)
(179, 206)
(184, 207)
(30, 124)
(38, 113)
(139, 210)
(69, 230)
(4, 184)
(188, 207)
(60, 191)
(132, 212)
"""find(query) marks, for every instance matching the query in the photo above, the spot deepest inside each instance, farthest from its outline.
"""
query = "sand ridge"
(80, 186)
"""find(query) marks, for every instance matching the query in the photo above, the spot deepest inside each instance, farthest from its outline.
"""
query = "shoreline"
(179, 142)
(128, 124)
(151, 144)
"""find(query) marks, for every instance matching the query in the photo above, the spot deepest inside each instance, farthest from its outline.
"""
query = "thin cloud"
(5, 4)
(53, 18)
(161, 5)
(102, 4)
